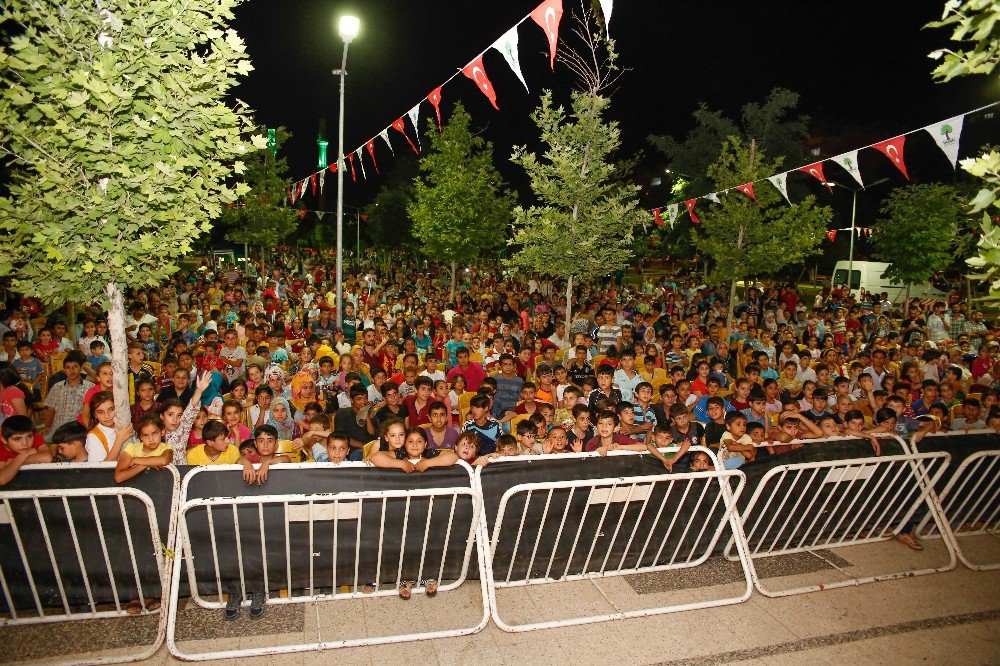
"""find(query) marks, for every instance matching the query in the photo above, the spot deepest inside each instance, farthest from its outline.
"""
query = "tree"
(747, 237)
(769, 124)
(115, 123)
(583, 228)
(389, 223)
(977, 22)
(258, 217)
(460, 209)
(915, 232)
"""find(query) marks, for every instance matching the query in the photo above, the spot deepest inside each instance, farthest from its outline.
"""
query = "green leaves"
(134, 115)
(975, 23)
(460, 209)
(584, 223)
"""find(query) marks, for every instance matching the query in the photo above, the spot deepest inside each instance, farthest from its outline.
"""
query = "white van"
(867, 275)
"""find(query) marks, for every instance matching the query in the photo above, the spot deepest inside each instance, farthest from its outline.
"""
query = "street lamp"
(348, 28)
(854, 210)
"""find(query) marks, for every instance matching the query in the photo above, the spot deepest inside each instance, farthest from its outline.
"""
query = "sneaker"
(257, 601)
(234, 606)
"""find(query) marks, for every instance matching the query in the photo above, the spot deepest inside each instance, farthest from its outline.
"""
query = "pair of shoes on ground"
(235, 605)
(406, 588)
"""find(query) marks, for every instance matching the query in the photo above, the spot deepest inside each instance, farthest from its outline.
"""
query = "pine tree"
(460, 209)
(747, 237)
(258, 217)
(583, 227)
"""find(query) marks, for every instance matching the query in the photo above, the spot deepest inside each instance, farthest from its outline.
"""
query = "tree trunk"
(968, 293)
(454, 267)
(732, 287)
(71, 325)
(907, 296)
(569, 306)
(119, 353)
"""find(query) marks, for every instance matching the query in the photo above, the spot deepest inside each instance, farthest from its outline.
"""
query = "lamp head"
(348, 28)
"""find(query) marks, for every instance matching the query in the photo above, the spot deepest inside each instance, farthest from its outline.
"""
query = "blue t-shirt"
(486, 433)
(29, 369)
(95, 361)
(452, 348)
(507, 395)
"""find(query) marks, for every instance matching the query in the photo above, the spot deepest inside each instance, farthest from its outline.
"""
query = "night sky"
(858, 66)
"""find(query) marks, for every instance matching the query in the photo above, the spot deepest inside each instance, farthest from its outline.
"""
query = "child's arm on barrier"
(445, 458)
(386, 460)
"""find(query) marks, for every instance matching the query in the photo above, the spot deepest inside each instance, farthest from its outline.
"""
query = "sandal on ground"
(431, 587)
(133, 607)
(370, 588)
(406, 589)
(910, 541)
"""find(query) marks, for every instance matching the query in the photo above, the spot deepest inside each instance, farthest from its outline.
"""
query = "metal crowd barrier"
(552, 532)
(970, 498)
(323, 547)
(69, 554)
(806, 507)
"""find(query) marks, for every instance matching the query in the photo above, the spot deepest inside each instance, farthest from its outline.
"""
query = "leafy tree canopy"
(114, 118)
(259, 216)
(770, 125)
(916, 231)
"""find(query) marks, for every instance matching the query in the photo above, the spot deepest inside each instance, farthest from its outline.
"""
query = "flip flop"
(909, 541)
(133, 607)
(431, 587)
(406, 589)
(370, 588)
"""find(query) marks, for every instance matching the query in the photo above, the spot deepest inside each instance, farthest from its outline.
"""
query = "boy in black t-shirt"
(714, 428)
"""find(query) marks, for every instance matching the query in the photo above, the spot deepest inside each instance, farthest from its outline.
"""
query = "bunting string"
(946, 134)
(547, 15)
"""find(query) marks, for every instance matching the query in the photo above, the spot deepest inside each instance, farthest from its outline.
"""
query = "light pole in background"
(347, 27)
(854, 210)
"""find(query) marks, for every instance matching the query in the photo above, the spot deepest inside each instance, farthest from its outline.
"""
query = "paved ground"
(950, 618)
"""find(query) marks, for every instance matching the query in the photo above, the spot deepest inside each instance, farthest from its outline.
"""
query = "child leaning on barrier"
(217, 448)
(265, 439)
(70, 440)
(736, 447)
(149, 451)
(19, 446)
(414, 455)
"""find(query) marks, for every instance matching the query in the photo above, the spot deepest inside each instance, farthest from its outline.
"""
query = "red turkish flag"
(302, 214)
(400, 127)
(350, 158)
(312, 183)
(747, 189)
(831, 234)
(893, 149)
(690, 206)
(477, 72)
(333, 167)
(816, 171)
(364, 217)
(547, 15)
(435, 99)
(656, 217)
(370, 147)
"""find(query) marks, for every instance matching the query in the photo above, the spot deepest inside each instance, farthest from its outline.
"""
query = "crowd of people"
(248, 366)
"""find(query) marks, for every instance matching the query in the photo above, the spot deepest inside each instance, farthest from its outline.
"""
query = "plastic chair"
(517, 419)
(957, 412)
(56, 362)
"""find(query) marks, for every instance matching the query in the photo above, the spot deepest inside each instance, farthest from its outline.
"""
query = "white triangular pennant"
(302, 190)
(507, 46)
(320, 213)
(606, 7)
(946, 135)
(414, 115)
(849, 161)
(361, 161)
(322, 180)
(673, 210)
(780, 183)
(713, 197)
(385, 137)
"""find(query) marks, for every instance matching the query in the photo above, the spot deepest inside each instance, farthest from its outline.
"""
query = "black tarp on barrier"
(300, 561)
(160, 488)
(820, 506)
(587, 519)
(984, 501)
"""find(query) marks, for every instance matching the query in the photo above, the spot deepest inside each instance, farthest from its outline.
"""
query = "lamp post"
(347, 27)
(854, 210)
